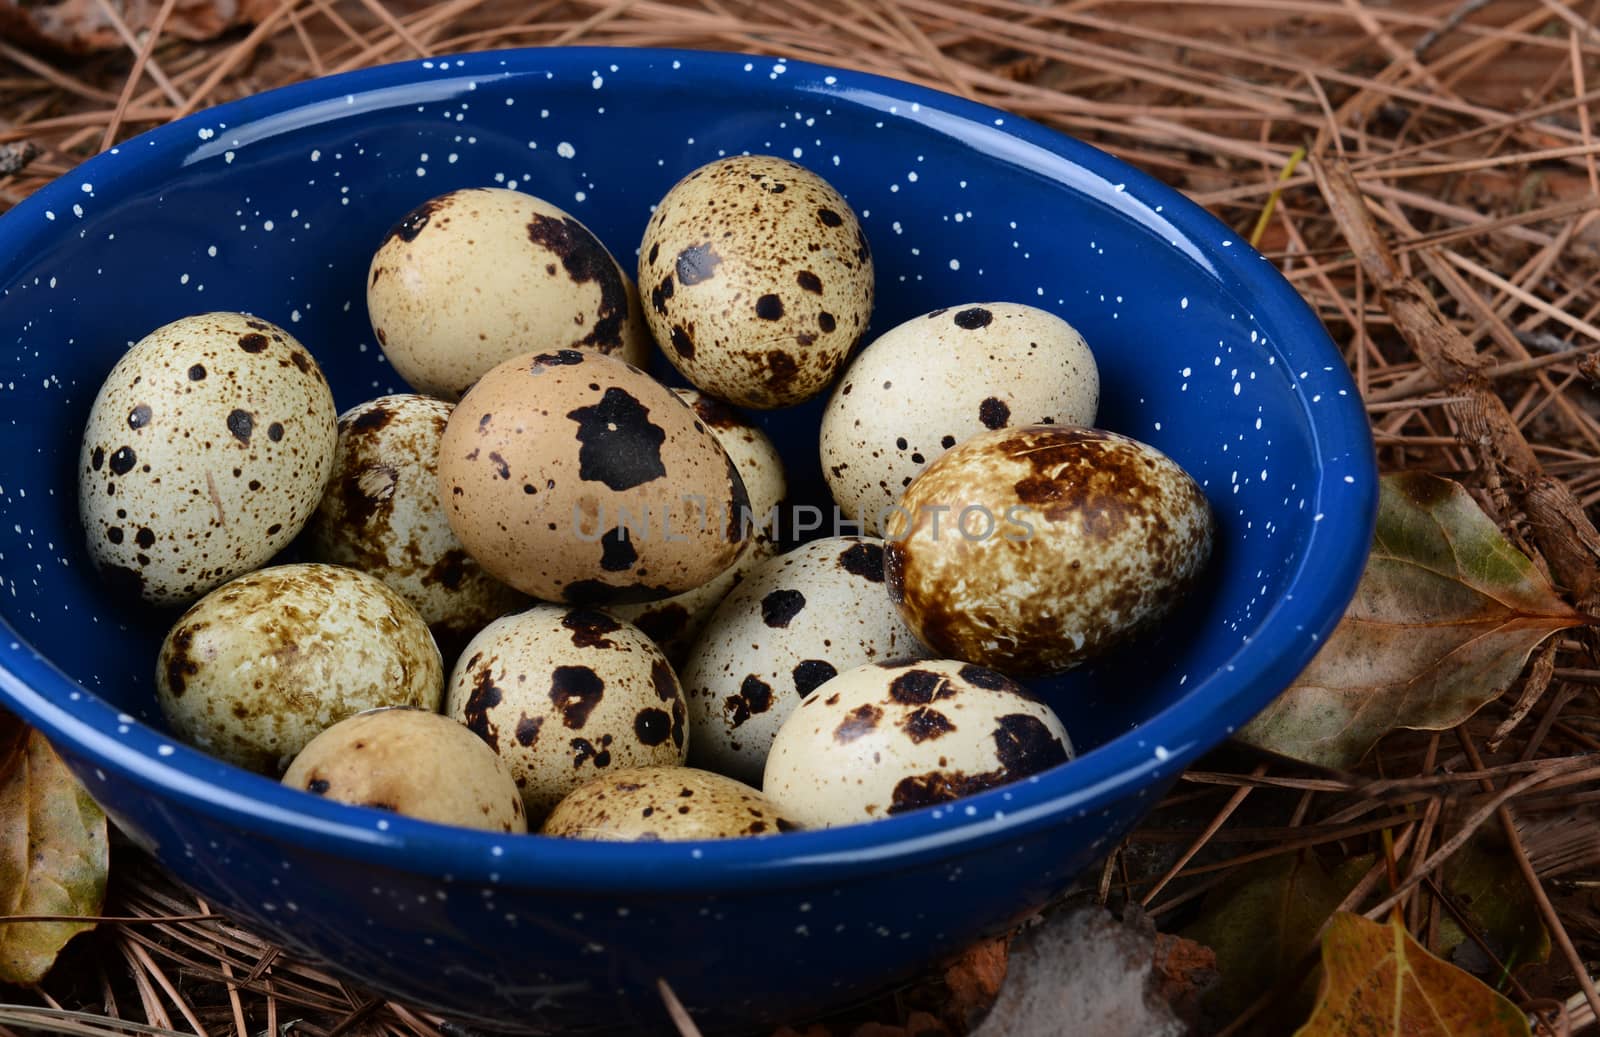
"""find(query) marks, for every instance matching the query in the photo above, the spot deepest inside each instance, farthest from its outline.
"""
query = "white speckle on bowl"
(798, 152)
(955, 264)
(49, 215)
(267, 225)
(599, 81)
(565, 150)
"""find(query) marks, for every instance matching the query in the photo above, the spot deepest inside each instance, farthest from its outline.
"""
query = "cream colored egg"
(674, 623)
(411, 762)
(1056, 543)
(796, 621)
(884, 739)
(658, 804)
(759, 280)
(563, 695)
(263, 664)
(939, 379)
(576, 477)
(206, 450)
(381, 514)
(476, 276)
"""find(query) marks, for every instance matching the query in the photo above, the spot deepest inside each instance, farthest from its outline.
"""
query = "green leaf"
(1377, 981)
(1486, 885)
(1441, 624)
(54, 853)
(1263, 921)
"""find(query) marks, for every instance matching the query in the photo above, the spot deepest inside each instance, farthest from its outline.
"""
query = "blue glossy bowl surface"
(274, 205)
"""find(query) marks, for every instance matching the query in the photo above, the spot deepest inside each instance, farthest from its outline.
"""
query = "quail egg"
(651, 804)
(411, 762)
(206, 450)
(563, 695)
(759, 280)
(883, 739)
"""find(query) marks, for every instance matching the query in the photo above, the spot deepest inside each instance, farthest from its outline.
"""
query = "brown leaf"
(82, 26)
(1441, 624)
(975, 978)
(53, 852)
(1263, 922)
(1378, 980)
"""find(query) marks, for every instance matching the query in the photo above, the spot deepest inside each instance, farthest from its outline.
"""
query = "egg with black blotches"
(795, 622)
(479, 275)
(675, 622)
(411, 762)
(1056, 544)
(381, 514)
(577, 477)
(758, 280)
(939, 379)
(663, 804)
(206, 450)
(565, 694)
(265, 663)
(880, 740)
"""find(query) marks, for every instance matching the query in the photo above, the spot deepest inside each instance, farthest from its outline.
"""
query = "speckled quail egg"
(651, 804)
(411, 762)
(563, 694)
(576, 477)
(206, 450)
(883, 739)
(674, 623)
(381, 514)
(263, 664)
(796, 621)
(923, 386)
(476, 276)
(759, 280)
(1032, 549)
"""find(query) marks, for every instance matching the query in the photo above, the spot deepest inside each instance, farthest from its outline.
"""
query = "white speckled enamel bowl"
(274, 205)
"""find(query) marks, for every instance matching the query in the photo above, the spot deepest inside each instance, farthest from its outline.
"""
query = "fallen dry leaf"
(1486, 885)
(1084, 966)
(83, 27)
(1263, 922)
(53, 852)
(974, 980)
(1441, 624)
(1379, 982)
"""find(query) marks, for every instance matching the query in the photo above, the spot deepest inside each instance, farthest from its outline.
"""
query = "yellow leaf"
(53, 853)
(1377, 980)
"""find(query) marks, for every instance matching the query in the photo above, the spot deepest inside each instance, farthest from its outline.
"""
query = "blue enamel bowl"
(274, 205)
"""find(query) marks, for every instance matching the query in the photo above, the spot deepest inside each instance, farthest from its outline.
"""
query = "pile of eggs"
(627, 651)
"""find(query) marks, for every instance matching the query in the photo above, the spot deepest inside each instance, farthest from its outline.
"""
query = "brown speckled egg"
(475, 276)
(565, 694)
(675, 622)
(1053, 543)
(796, 621)
(381, 514)
(883, 739)
(411, 762)
(263, 664)
(661, 804)
(205, 453)
(576, 477)
(937, 380)
(758, 279)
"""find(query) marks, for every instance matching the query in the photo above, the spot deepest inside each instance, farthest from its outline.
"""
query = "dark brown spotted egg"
(883, 739)
(381, 514)
(937, 380)
(796, 621)
(674, 623)
(1032, 549)
(265, 663)
(660, 804)
(563, 695)
(206, 450)
(411, 762)
(758, 279)
(475, 276)
(576, 477)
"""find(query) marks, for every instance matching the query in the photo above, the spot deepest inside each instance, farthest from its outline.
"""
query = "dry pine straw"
(1449, 154)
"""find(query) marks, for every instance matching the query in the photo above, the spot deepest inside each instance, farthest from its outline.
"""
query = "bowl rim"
(112, 746)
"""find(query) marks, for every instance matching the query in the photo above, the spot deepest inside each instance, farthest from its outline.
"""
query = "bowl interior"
(275, 205)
